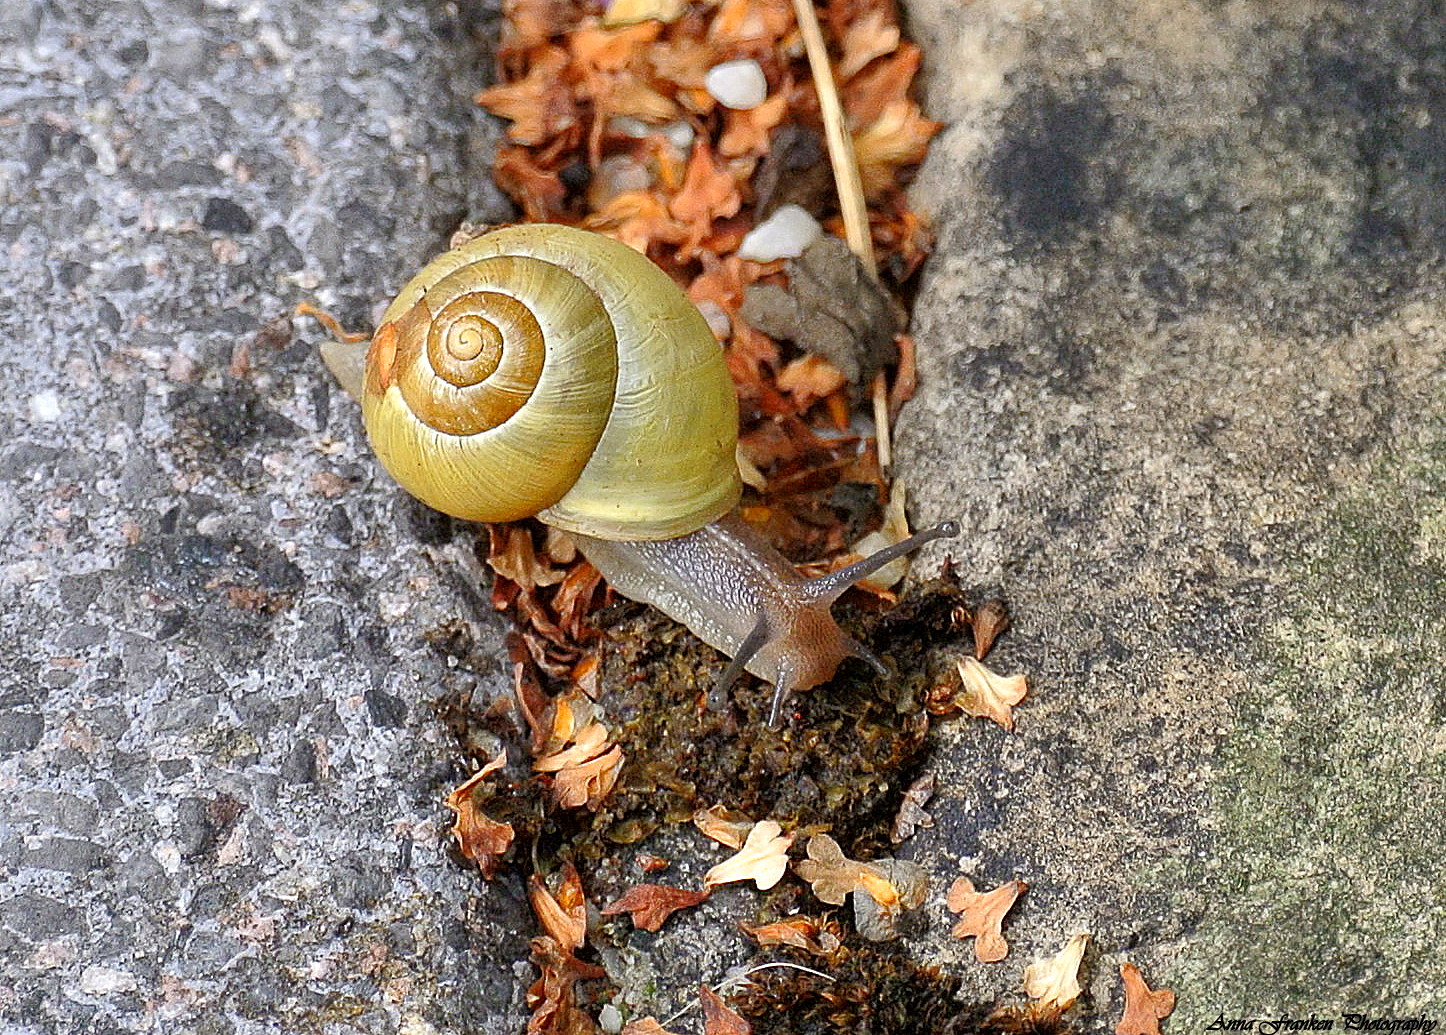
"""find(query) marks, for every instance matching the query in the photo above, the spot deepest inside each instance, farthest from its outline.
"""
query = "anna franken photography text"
(1341, 1022)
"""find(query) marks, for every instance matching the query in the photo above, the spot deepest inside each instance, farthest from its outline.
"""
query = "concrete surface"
(219, 768)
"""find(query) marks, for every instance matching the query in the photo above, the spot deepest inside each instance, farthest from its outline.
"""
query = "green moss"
(844, 761)
(1321, 890)
(874, 988)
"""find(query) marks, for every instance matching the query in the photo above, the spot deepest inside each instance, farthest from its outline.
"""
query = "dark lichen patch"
(1379, 86)
(1125, 198)
(875, 989)
(216, 592)
(1047, 170)
(216, 428)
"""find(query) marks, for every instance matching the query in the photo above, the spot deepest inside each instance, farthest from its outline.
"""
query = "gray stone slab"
(1181, 358)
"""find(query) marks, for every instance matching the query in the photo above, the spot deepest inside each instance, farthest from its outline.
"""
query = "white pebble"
(629, 126)
(394, 605)
(615, 175)
(679, 134)
(96, 980)
(45, 407)
(610, 1019)
(783, 235)
(737, 84)
(168, 855)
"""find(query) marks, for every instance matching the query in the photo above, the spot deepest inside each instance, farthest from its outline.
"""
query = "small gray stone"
(78, 592)
(386, 710)
(107, 720)
(358, 883)
(38, 917)
(19, 731)
(70, 855)
(128, 278)
(225, 215)
(79, 637)
(134, 53)
(193, 827)
(26, 460)
(59, 809)
(300, 764)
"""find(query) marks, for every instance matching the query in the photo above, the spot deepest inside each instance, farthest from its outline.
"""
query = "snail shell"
(543, 370)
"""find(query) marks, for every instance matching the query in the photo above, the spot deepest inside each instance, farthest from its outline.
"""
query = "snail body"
(546, 371)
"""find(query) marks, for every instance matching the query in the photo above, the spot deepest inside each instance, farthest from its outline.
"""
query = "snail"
(546, 371)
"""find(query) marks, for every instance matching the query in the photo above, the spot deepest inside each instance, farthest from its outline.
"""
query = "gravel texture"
(220, 773)
(1181, 349)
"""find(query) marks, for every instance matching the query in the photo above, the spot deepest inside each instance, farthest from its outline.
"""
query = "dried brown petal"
(551, 997)
(540, 105)
(538, 189)
(1144, 1009)
(988, 621)
(808, 379)
(981, 916)
(588, 783)
(832, 307)
(799, 932)
(651, 904)
(562, 915)
(644, 1026)
(709, 192)
(479, 837)
(718, 1019)
(532, 22)
(590, 741)
(911, 814)
(832, 875)
(987, 694)
(870, 36)
(898, 137)
(638, 219)
(1054, 983)
(588, 767)
(747, 132)
(762, 859)
(723, 825)
(759, 22)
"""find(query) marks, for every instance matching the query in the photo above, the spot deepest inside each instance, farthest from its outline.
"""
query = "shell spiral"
(544, 370)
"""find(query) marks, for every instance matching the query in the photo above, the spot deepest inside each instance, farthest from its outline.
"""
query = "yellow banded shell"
(544, 370)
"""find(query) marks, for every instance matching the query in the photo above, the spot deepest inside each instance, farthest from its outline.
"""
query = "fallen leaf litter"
(695, 133)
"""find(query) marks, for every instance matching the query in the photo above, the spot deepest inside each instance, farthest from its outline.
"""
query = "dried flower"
(762, 859)
(981, 916)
